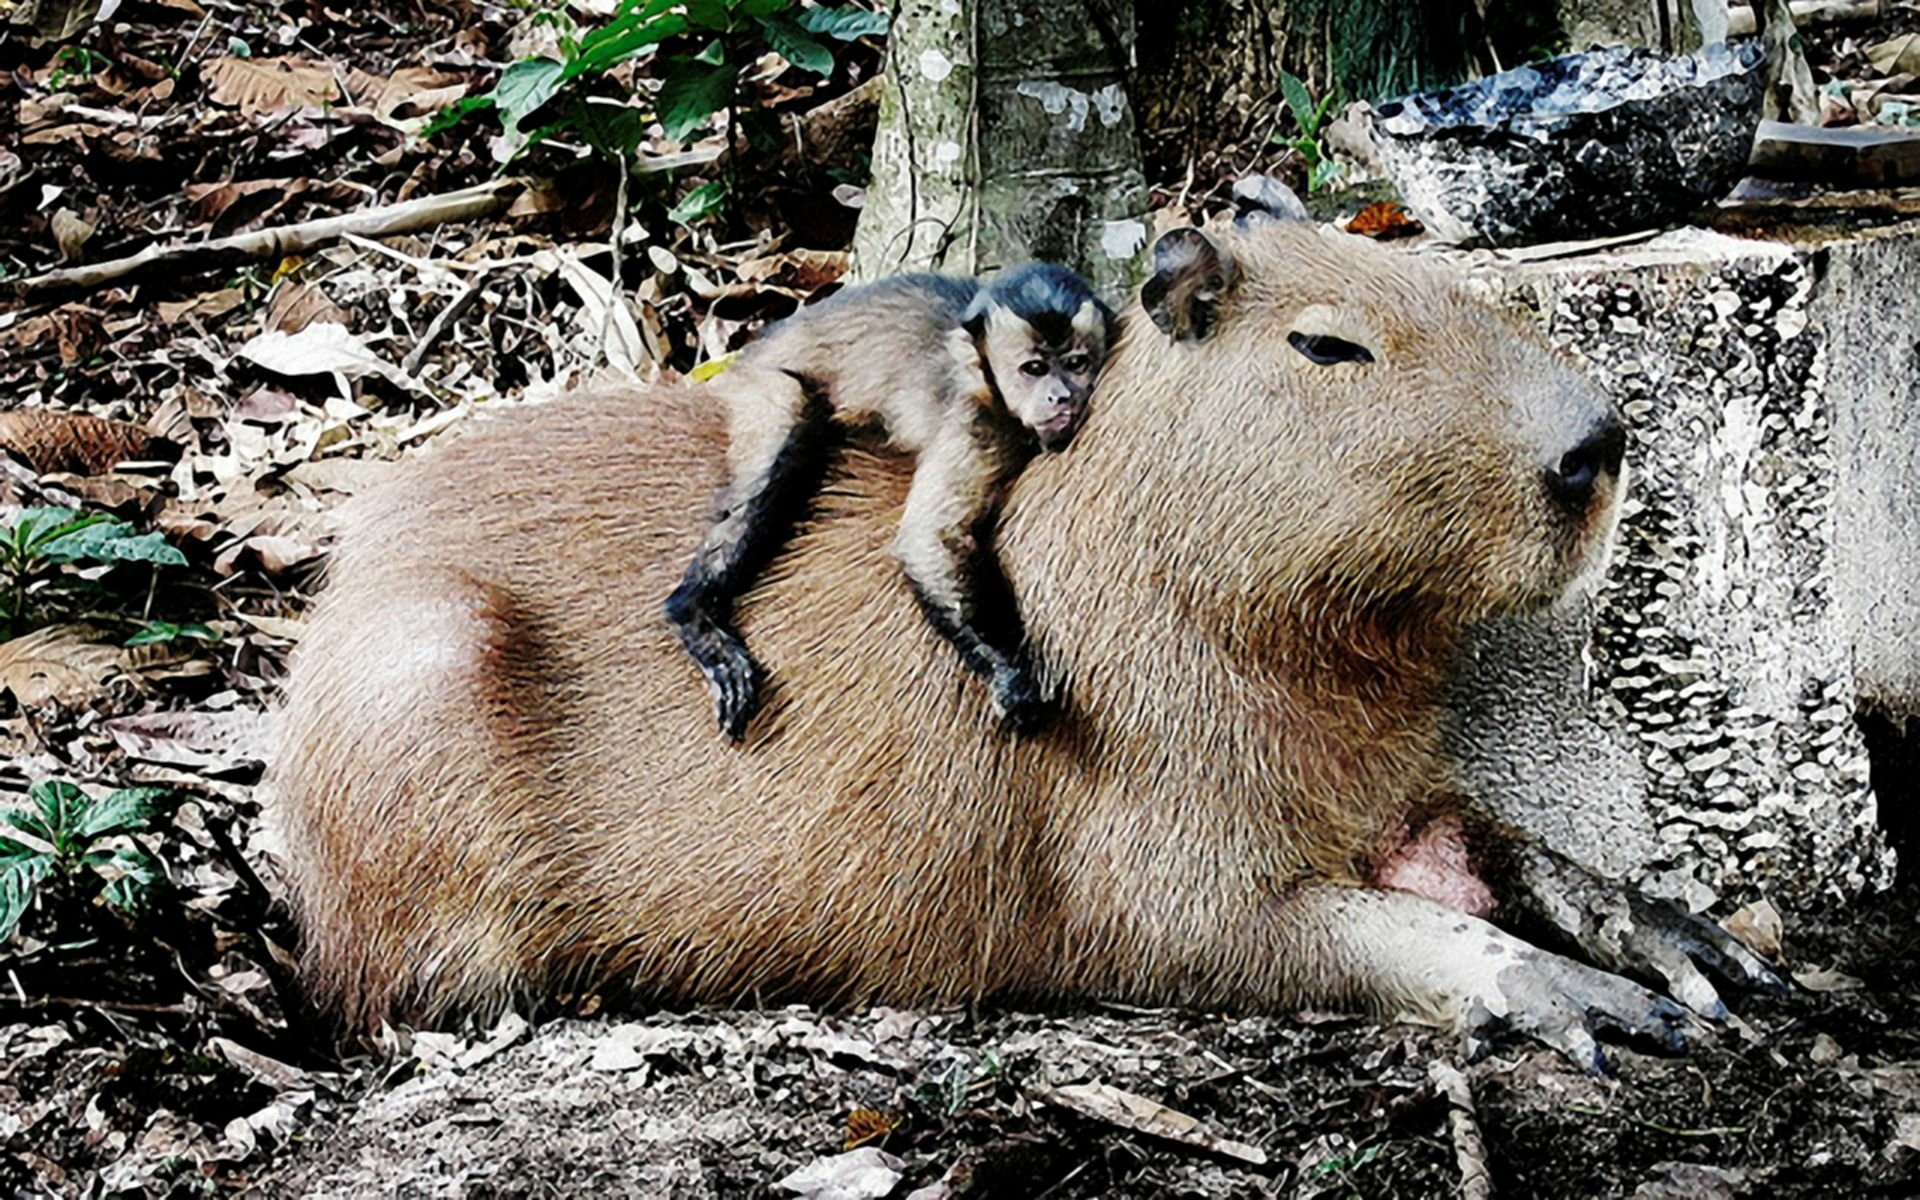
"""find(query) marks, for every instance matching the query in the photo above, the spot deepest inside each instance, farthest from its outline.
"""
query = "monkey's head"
(1042, 336)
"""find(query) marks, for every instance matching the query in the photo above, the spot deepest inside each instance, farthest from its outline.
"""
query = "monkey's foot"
(1567, 1004)
(732, 677)
(1018, 699)
(1625, 931)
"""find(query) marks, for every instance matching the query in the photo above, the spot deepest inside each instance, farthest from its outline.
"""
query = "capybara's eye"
(1326, 349)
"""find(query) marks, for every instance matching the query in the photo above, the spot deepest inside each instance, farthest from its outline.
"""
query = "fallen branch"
(1469, 1151)
(1741, 21)
(390, 220)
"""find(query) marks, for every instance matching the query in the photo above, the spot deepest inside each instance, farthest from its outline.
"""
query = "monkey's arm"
(943, 545)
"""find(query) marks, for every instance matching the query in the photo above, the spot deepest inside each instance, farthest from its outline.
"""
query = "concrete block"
(1693, 720)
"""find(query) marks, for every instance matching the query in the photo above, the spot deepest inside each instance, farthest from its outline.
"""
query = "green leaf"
(154, 632)
(133, 875)
(846, 23)
(710, 14)
(455, 113)
(20, 878)
(1322, 173)
(524, 87)
(125, 811)
(700, 203)
(104, 539)
(623, 39)
(1299, 103)
(690, 93)
(61, 806)
(765, 8)
(614, 130)
(34, 528)
(792, 43)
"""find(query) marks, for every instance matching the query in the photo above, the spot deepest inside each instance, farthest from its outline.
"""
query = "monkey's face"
(1045, 381)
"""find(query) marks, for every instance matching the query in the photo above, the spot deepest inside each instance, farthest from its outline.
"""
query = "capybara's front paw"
(1022, 705)
(1623, 930)
(1567, 1004)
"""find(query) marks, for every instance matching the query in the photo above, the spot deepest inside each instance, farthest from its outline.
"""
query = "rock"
(1579, 146)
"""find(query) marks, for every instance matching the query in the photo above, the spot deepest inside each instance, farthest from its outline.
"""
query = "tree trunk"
(1006, 134)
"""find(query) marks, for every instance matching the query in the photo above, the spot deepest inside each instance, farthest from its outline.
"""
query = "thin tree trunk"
(1006, 134)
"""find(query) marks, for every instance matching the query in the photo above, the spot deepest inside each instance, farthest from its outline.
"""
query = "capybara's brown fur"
(497, 775)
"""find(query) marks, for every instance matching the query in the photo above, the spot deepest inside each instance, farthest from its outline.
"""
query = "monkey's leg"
(777, 447)
(956, 577)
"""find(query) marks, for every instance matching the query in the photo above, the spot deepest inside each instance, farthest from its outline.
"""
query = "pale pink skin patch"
(1434, 863)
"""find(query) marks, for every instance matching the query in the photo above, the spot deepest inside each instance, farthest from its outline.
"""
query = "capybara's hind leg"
(779, 436)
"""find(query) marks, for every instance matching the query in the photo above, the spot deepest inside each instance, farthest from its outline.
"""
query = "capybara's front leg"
(1624, 930)
(1410, 958)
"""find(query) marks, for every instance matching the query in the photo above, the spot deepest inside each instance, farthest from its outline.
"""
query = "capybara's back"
(497, 775)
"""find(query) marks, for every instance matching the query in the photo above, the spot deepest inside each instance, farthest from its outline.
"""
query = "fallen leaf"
(868, 1125)
(419, 90)
(1383, 221)
(294, 306)
(1906, 1132)
(70, 233)
(1826, 979)
(48, 440)
(865, 1174)
(66, 663)
(204, 740)
(1142, 1115)
(261, 85)
(322, 348)
(1896, 55)
(1759, 926)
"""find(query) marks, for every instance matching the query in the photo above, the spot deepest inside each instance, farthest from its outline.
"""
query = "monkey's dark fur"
(972, 377)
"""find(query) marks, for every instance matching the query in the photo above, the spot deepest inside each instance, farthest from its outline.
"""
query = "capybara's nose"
(1575, 477)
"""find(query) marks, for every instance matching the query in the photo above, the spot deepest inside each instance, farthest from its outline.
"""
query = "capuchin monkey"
(970, 376)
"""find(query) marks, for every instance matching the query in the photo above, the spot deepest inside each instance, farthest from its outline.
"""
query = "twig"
(408, 216)
(1127, 1110)
(1469, 1151)
(1742, 20)
(441, 323)
(615, 233)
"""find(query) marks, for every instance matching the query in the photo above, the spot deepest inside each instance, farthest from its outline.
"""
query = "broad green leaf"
(700, 203)
(690, 94)
(714, 54)
(154, 632)
(524, 87)
(61, 806)
(793, 43)
(1322, 173)
(765, 8)
(710, 14)
(845, 23)
(1299, 103)
(125, 811)
(30, 824)
(600, 50)
(19, 880)
(109, 540)
(455, 113)
(615, 130)
(133, 875)
(35, 528)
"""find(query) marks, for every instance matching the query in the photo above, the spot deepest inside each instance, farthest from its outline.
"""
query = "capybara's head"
(1344, 430)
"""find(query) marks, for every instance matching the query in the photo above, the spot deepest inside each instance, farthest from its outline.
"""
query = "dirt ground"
(159, 1053)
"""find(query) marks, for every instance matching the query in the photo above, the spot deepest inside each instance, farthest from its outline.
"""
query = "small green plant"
(77, 844)
(75, 64)
(948, 1093)
(154, 633)
(721, 38)
(1310, 120)
(42, 542)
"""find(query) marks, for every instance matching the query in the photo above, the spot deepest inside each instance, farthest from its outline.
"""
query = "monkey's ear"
(1260, 199)
(1191, 273)
(974, 320)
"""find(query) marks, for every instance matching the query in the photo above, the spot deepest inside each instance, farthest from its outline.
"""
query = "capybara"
(495, 779)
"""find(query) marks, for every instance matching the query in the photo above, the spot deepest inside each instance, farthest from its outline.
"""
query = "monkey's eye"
(1325, 349)
(1078, 363)
(1034, 367)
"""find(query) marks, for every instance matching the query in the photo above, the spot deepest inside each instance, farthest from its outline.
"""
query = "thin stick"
(1476, 1182)
(389, 220)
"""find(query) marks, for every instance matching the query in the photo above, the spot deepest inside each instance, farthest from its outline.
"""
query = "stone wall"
(1693, 720)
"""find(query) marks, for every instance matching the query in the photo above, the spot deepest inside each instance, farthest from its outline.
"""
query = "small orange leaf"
(1384, 221)
(868, 1125)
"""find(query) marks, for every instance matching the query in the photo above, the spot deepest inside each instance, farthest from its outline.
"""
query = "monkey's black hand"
(722, 657)
(1018, 698)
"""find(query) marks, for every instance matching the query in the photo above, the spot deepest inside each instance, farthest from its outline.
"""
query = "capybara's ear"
(1191, 274)
(1259, 199)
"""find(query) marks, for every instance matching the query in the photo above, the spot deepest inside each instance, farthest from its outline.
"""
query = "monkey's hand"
(1629, 933)
(1021, 703)
(730, 672)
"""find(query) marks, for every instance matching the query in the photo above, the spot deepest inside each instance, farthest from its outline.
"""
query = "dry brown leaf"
(262, 85)
(1759, 926)
(207, 305)
(1383, 221)
(1896, 55)
(1129, 1110)
(70, 233)
(419, 90)
(67, 663)
(867, 1125)
(203, 740)
(49, 441)
(210, 200)
(294, 306)
(801, 272)
(78, 334)
(1826, 979)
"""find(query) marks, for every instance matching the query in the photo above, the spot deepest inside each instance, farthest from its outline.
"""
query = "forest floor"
(228, 401)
